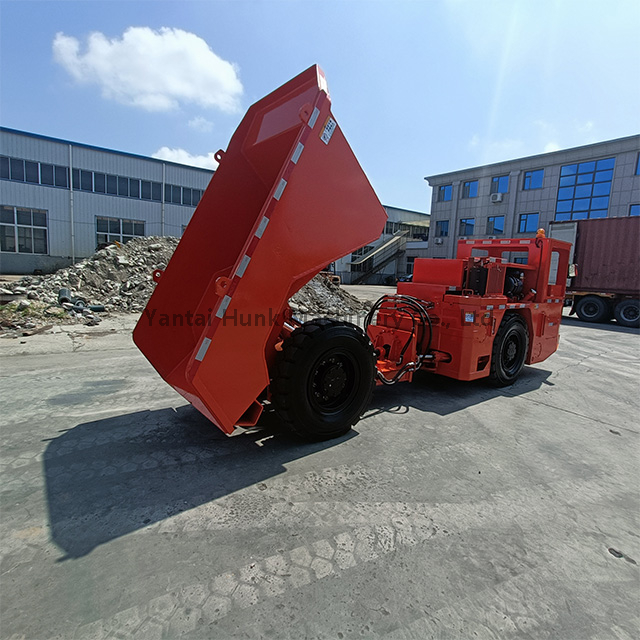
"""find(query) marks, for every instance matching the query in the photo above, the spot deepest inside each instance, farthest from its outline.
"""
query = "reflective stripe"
(223, 306)
(202, 351)
(314, 117)
(262, 226)
(280, 189)
(242, 267)
(297, 153)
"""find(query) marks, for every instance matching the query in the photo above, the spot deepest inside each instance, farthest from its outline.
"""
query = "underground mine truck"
(288, 198)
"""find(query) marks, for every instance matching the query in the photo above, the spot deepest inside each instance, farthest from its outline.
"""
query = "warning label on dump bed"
(328, 129)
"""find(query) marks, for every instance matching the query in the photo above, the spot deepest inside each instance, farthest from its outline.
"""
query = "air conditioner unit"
(496, 197)
(437, 240)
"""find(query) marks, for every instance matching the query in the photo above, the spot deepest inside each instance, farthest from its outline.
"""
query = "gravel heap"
(321, 297)
(119, 277)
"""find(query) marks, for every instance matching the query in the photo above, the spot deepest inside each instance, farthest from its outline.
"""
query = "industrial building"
(518, 197)
(60, 200)
(405, 238)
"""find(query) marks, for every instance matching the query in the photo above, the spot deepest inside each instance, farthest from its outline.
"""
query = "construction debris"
(119, 278)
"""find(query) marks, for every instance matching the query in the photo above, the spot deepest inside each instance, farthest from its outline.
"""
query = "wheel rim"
(333, 382)
(512, 353)
(630, 313)
(590, 309)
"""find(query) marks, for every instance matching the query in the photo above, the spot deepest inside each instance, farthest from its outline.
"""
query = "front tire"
(324, 379)
(509, 352)
(627, 313)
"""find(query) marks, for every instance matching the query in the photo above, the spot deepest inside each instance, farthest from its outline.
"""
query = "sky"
(419, 87)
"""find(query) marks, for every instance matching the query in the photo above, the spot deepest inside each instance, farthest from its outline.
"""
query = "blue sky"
(418, 87)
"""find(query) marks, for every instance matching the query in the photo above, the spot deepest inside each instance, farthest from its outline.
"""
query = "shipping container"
(605, 280)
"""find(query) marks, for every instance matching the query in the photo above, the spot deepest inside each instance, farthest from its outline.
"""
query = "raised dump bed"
(288, 198)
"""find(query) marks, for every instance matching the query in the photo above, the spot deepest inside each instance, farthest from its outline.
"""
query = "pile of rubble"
(118, 278)
(321, 297)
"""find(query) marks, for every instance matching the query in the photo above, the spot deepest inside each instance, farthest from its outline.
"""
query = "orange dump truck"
(288, 198)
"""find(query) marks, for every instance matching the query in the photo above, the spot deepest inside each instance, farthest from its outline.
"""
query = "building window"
(32, 172)
(17, 169)
(638, 165)
(444, 193)
(466, 226)
(584, 189)
(533, 179)
(500, 184)
(23, 230)
(634, 210)
(117, 230)
(20, 170)
(46, 174)
(528, 223)
(495, 225)
(470, 189)
(86, 180)
(99, 183)
(442, 228)
(62, 177)
(410, 261)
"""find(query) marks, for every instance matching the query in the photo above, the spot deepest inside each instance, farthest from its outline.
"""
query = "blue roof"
(94, 148)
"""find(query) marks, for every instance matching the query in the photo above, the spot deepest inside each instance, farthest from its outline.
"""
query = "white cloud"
(153, 70)
(551, 146)
(201, 124)
(182, 156)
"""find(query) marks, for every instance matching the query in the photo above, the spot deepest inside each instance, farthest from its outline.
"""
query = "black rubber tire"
(627, 313)
(509, 352)
(324, 378)
(593, 309)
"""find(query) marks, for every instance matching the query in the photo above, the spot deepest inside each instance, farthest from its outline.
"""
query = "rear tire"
(324, 378)
(509, 352)
(627, 313)
(593, 309)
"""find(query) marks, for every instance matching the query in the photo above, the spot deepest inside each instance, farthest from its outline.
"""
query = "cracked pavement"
(452, 510)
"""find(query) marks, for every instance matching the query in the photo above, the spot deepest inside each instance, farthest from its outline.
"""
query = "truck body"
(606, 265)
(288, 198)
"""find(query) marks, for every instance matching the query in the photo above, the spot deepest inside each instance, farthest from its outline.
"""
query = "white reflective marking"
(242, 267)
(501, 306)
(297, 153)
(223, 306)
(489, 307)
(505, 242)
(525, 241)
(486, 242)
(202, 351)
(262, 226)
(280, 189)
(314, 117)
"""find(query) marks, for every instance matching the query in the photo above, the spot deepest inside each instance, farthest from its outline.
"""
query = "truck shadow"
(110, 477)
(444, 396)
(604, 326)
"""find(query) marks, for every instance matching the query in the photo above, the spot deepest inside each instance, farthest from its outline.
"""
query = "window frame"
(469, 189)
(442, 229)
(445, 193)
(491, 230)
(524, 217)
(530, 176)
(467, 222)
(112, 235)
(21, 229)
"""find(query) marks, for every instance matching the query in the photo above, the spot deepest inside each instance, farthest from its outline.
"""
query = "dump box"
(288, 198)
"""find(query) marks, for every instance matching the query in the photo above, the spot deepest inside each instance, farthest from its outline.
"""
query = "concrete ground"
(452, 510)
